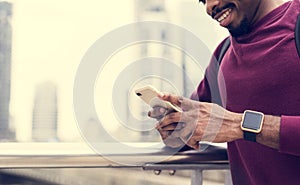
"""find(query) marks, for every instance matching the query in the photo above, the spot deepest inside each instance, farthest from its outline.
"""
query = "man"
(260, 73)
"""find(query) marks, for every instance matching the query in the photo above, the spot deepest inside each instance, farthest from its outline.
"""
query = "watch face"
(252, 120)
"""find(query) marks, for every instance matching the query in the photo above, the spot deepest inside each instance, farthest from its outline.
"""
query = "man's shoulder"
(223, 44)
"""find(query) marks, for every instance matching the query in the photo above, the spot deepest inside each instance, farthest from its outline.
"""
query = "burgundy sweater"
(261, 71)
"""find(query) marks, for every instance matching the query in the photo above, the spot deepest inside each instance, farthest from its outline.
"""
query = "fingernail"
(162, 110)
(180, 99)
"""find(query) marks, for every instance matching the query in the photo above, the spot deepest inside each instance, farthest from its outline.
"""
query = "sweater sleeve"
(290, 135)
(202, 92)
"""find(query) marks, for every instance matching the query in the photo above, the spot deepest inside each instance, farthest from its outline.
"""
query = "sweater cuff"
(290, 135)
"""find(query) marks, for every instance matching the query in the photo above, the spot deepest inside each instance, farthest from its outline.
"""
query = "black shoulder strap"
(212, 73)
(224, 48)
(297, 35)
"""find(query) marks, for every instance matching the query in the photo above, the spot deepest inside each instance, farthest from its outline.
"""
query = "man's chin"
(236, 34)
(243, 29)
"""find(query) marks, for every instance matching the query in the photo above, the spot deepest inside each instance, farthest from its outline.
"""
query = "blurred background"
(42, 43)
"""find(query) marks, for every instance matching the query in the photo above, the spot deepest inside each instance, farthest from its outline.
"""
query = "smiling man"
(259, 85)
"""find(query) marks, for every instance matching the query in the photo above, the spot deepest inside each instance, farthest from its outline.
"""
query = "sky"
(50, 37)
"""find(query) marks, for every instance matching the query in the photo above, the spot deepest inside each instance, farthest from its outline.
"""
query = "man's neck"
(266, 6)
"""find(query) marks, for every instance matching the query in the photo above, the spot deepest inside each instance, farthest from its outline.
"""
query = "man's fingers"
(175, 117)
(174, 99)
(157, 112)
(182, 102)
(193, 143)
(173, 126)
(163, 133)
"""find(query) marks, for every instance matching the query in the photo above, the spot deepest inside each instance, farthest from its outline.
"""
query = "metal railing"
(78, 155)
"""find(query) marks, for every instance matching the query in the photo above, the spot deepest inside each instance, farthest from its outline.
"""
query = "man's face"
(235, 15)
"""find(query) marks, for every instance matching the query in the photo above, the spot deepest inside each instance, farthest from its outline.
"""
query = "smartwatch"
(252, 124)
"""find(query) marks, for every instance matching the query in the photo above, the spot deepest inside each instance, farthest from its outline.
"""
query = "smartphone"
(149, 94)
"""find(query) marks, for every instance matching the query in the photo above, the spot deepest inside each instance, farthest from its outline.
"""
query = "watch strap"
(250, 136)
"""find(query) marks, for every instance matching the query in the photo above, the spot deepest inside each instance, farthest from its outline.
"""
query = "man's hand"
(198, 121)
(166, 134)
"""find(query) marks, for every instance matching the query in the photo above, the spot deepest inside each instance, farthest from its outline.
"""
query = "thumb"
(174, 99)
(182, 102)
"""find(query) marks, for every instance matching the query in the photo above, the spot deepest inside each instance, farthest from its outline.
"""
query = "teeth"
(224, 15)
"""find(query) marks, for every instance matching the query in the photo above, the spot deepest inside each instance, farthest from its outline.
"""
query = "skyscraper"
(131, 112)
(5, 69)
(44, 117)
(153, 10)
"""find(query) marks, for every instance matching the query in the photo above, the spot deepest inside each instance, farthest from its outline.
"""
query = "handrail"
(79, 155)
(68, 155)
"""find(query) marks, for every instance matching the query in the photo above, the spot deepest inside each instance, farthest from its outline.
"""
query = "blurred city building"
(149, 10)
(45, 113)
(5, 70)
(135, 125)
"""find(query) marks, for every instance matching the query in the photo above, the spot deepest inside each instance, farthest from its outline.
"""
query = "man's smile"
(224, 17)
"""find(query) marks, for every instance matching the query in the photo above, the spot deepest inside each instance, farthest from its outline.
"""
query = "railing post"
(197, 177)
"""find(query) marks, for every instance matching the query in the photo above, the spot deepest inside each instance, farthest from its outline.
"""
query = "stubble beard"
(242, 29)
